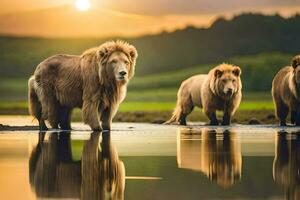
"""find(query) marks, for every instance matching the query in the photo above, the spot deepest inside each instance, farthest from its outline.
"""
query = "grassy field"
(144, 101)
(133, 106)
(156, 106)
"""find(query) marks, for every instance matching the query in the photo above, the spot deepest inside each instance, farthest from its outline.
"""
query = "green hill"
(257, 74)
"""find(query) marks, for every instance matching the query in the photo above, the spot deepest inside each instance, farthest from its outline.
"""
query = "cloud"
(167, 7)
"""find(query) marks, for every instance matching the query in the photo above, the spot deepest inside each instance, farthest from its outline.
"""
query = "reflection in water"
(286, 165)
(217, 155)
(98, 175)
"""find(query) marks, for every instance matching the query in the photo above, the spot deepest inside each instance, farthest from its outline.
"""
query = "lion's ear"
(218, 73)
(133, 53)
(103, 52)
(237, 71)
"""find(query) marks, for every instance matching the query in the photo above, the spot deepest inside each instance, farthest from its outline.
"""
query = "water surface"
(142, 161)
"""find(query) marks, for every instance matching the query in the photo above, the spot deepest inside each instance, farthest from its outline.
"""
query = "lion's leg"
(90, 115)
(106, 118)
(65, 118)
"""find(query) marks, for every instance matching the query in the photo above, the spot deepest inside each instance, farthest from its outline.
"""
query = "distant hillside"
(257, 74)
(246, 34)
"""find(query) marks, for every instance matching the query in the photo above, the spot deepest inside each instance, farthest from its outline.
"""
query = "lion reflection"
(98, 175)
(217, 155)
(286, 164)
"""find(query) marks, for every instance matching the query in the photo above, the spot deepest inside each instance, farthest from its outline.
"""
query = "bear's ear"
(296, 62)
(133, 53)
(218, 73)
(237, 71)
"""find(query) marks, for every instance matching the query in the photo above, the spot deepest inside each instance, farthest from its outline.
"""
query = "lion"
(95, 81)
(220, 89)
(285, 92)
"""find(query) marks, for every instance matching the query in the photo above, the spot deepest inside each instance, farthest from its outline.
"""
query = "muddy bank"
(18, 128)
(241, 117)
(158, 117)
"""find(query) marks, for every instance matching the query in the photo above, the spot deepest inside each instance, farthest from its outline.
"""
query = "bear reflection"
(98, 175)
(217, 155)
(286, 164)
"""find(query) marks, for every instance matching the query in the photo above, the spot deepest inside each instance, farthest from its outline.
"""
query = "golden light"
(82, 5)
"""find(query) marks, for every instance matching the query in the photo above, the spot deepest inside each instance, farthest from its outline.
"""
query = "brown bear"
(220, 89)
(95, 81)
(286, 93)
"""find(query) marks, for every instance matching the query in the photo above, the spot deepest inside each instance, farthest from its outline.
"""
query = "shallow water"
(142, 161)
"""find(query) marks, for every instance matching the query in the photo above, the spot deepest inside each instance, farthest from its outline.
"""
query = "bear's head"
(227, 80)
(296, 66)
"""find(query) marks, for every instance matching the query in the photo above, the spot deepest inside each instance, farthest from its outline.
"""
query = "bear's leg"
(90, 115)
(42, 125)
(297, 118)
(65, 118)
(293, 116)
(226, 119)
(229, 110)
(35, 106)
(39, 116)
(53, 113)
(185, 111)
(212, 117)
(182, 119)
(49, 107)
(282, 111)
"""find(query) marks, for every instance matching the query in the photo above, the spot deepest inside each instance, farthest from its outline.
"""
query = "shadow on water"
(53, 173)
(215, 154)
(286, 165)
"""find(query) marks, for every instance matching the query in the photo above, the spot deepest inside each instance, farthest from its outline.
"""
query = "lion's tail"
(175, 115)
(34, 104)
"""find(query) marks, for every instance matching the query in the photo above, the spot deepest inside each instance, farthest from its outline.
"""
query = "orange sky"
(60, 18)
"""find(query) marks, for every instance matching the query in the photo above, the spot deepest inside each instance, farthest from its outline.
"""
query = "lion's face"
(119, 65)
(228, 81)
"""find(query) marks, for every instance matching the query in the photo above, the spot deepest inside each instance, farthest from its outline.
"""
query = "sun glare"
(82, 5)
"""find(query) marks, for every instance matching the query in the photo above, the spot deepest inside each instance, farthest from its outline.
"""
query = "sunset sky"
(64, 18)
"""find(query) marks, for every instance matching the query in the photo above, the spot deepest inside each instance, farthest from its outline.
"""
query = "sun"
(83, 5)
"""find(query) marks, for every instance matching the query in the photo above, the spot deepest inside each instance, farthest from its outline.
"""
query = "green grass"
(256, 105)
(168, 106)
(132, 106)
(13, 105)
